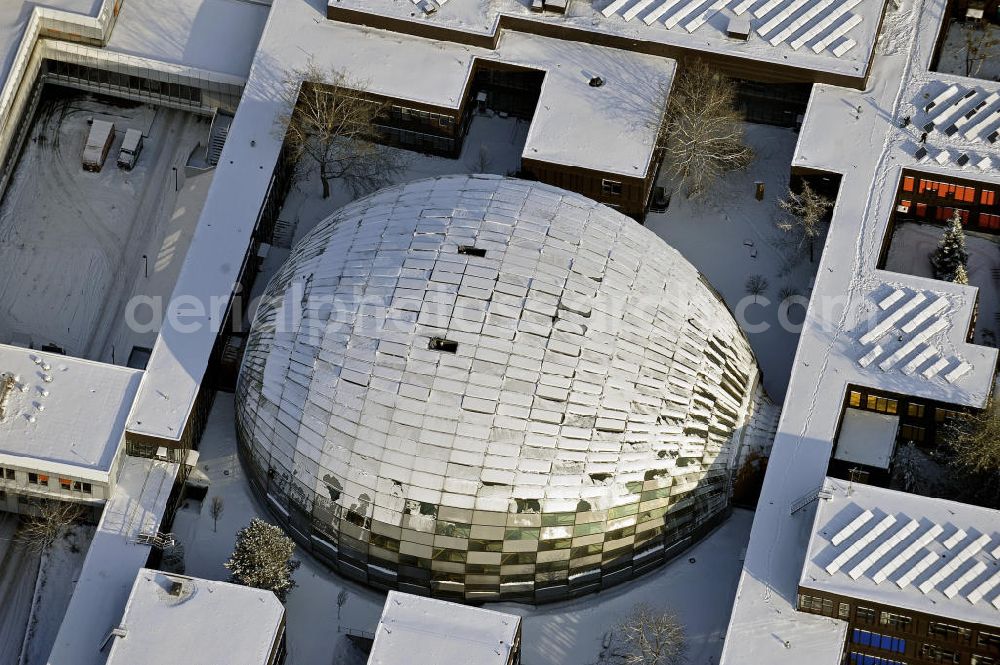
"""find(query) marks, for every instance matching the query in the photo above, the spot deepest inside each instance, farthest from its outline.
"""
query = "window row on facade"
(42, 480)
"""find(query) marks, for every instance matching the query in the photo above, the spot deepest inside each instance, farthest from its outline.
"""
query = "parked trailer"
(131, 147)
(102, 135)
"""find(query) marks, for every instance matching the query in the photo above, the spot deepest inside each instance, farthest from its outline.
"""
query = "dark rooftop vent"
(596, 82)
(963, 159)
(471, 250)
(920, 153)
(175, 588)
(442, 344)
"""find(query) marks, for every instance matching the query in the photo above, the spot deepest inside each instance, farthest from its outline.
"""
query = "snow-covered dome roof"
(479, 360)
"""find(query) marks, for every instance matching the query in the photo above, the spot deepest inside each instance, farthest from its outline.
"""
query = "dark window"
(442, 344)
(865, 615)
(612, 187)
(915, 410)
(897, 621)
(844, 611)
(911, 433)
(936, 654)
(471, 250)
(983, 660)
(949, 632)
(988, 640)
(65, 483)
(33, 478)
(9, 474)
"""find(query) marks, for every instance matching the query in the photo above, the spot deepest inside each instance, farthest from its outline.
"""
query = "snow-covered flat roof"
(854, 309)
(113, 561)
(424, 631)
(64, 413)
(607, 128)
(867, 437)
(14, 15)
(834, 36)
(903, 550)
(217, 622)
(215, 35)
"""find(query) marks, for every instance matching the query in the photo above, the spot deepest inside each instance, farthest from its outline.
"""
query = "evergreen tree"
(961, 276)
(263, 559)
(950, 253)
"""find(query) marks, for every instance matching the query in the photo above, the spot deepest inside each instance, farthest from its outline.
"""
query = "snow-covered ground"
(953, 53)
(18, 570)
(95, 227)
(60, 567)
(568, 633)
(912, 244)
(729, 235)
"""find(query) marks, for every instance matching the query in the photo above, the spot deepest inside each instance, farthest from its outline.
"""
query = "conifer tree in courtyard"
(950, 253)
(262, 559)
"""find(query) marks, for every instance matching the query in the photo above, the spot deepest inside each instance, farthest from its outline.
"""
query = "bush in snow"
(950, 253)
(263, 559)
(649, 636)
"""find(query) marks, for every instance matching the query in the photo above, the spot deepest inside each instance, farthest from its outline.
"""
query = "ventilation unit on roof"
(175, 588)
(557, 5)
(596, 82)
(739, 28)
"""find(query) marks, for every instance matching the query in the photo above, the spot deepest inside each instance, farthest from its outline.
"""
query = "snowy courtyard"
(113, 234)
(565, 633)
(986, 51)
(729, 236)
(912, 244)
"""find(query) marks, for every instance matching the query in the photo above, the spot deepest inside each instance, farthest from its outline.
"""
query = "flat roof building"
(916, 578)
(173, 618)
(426, 631)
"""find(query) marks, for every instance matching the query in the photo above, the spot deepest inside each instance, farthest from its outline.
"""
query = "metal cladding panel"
(526, 360)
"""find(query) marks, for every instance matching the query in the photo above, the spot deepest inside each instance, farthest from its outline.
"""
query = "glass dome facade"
(484, 388)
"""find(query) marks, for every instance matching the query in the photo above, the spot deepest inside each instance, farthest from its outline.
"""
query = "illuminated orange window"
(989, 221)
(987, 197)
(921, 210)
(908, 183)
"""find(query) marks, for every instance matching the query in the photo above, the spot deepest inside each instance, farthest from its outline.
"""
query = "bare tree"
(649, 636)
(483, 161)
(805, 215)
(341, 601)
(331, 120)
(975, 440)
(701, 131)
(981, 39)
(215, 510)
(48, 521)
(756, 285)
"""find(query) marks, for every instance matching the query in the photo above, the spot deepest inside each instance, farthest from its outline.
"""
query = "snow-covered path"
(18, 570)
